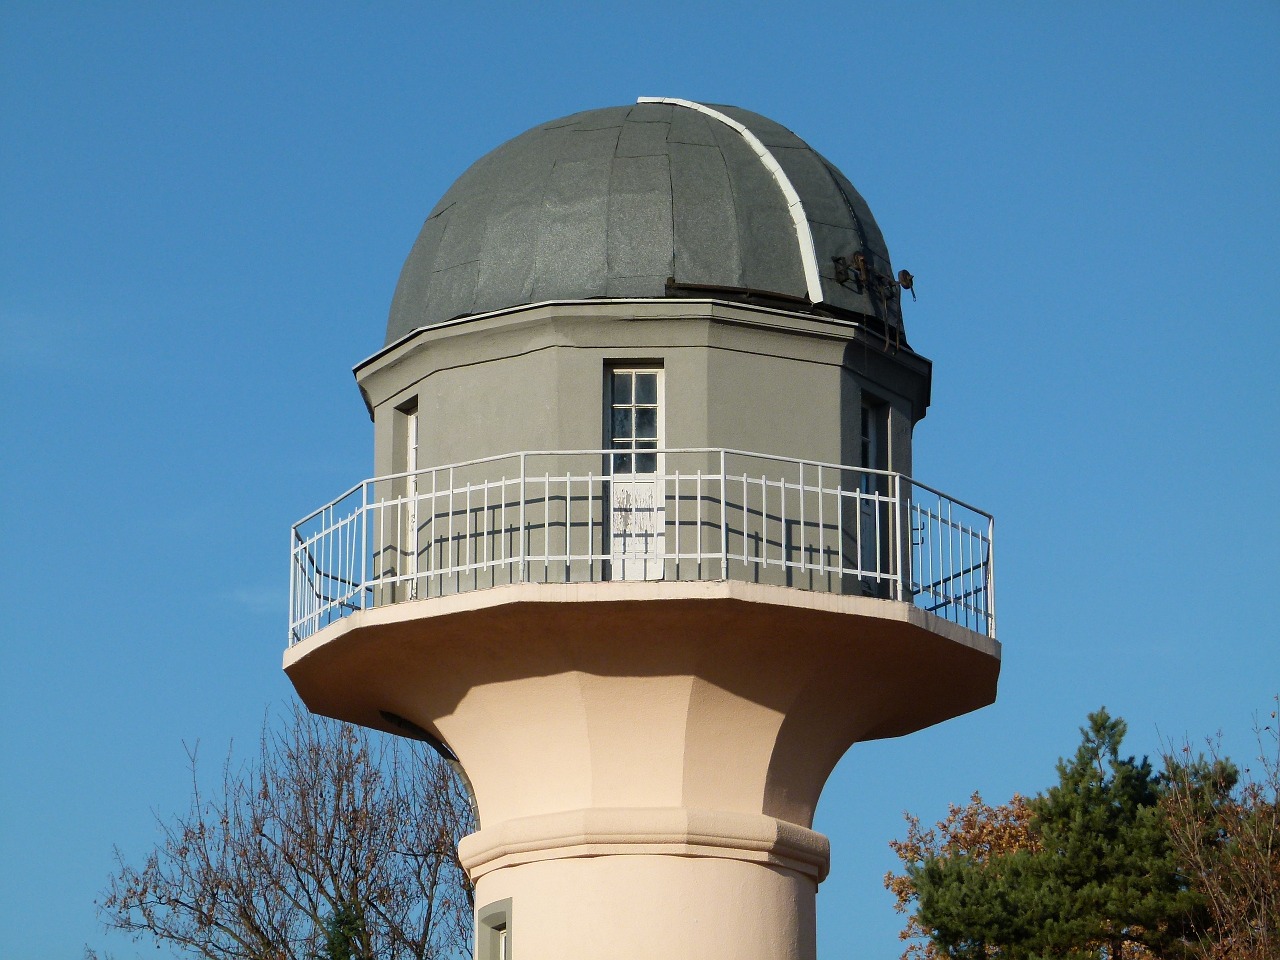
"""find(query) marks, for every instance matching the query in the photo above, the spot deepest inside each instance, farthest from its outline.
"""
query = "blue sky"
(205, 209)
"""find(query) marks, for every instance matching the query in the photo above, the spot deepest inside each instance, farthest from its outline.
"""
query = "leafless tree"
(1225, 828)
(332, 842)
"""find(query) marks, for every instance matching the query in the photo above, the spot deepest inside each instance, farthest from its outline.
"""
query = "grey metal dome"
(663, 198)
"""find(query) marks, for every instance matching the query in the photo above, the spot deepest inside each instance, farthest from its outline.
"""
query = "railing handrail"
(727, 451)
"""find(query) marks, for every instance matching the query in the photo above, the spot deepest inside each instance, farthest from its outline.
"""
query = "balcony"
(660, 515)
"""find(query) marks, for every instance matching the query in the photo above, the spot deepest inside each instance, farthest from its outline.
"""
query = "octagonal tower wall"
(735, 376)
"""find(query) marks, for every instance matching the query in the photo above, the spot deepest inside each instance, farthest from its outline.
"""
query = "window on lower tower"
(493, 931)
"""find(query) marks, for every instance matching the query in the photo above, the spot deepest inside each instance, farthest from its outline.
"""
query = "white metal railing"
(702, 514)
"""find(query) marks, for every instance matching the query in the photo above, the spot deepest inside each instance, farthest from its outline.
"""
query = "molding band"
(804, 236)
(653, 831)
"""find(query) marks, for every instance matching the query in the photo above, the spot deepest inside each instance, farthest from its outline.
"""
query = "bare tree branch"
(327, 823)
(1226, 830)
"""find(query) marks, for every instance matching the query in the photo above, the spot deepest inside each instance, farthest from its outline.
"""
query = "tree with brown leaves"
(333, 842)
(976, 832)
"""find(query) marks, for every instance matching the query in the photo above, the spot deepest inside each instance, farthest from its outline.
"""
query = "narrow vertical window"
(874, 527)
(411, 438)
(406, 454)
(874, 445)
(635, 419)
(634, 438)
(493, 931)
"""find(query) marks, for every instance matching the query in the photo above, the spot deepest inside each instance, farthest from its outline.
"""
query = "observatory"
(643, 550)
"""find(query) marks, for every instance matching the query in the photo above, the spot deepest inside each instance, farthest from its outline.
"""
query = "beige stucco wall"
(716, 695)
(647, 756)
(655, 907)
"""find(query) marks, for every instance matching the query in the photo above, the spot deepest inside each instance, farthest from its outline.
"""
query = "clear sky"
(205, 209)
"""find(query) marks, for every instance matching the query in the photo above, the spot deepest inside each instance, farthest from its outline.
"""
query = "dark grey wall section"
(612, 202)
(531, 378)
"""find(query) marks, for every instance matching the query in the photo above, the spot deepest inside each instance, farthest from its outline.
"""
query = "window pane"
(647, 423)
(622, 463)
(646, 388)
(622, 388)
(646, 444)
(646, 463)
(621, 423)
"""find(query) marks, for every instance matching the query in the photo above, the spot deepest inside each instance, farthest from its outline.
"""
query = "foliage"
(333, 843)
(1227, 837)
(1084, 872)
(976, 832)
(345, 935)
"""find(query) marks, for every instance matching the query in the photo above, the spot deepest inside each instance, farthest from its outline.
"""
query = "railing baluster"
(898, 560)
(591, 537)
(724, 519)
(802, 530)
(697, 525)
(677, 525)
(524, 550)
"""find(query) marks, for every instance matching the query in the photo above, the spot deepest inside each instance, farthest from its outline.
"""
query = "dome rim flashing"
(852, 322)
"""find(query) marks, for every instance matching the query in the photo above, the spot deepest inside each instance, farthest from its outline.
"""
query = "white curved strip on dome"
(804, 236)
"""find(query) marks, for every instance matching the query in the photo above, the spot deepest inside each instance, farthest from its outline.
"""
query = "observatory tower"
(643, 549)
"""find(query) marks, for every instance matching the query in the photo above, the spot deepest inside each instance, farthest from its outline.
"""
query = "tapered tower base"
(646, 756)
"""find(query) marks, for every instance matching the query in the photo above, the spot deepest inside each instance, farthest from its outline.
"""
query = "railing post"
(802, 531)
(991, 577)
(293, 576)
(524, 550)
(897, 537)
(724, 519)
(365, 589)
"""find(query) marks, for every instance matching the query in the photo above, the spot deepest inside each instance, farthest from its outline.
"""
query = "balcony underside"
(707, 694)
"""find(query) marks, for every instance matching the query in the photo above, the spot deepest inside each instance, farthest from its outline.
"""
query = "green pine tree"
(1103, 884)
(344, 935)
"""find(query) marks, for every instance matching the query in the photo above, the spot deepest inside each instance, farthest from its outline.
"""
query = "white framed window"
(407, 455)
(874, 529)
(874, 444)
(634, 419)
(634, 435)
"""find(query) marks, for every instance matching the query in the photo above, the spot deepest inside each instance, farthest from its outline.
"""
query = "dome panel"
(641, 234)
(614, 202)
(706, 224)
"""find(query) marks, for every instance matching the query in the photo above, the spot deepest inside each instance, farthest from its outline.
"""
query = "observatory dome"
(658, 199)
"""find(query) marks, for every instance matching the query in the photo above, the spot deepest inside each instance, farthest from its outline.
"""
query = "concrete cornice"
(672, 831)
(615, 591)
(634, 309)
